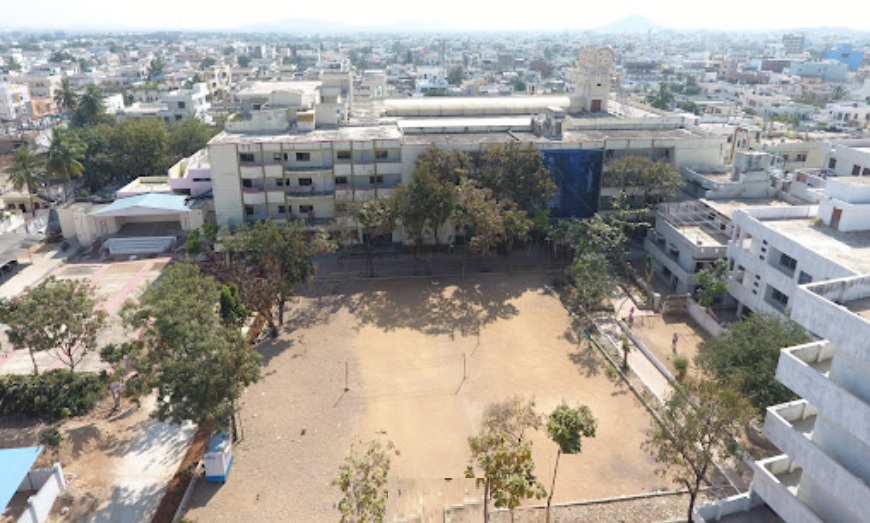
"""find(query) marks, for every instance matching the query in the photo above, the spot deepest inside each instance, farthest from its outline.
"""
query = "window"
(246, 157)
(282, 209)
(249, 210)
(832, 163)
(801, 157)
(279, 182)
(343, 155)
(376, 179)
(804, 278)
(303, 157)
(305, 181)
(787, 261)
(866, 171)
(778, 296)
(341, 180)
(785, 157)
(306, 208)
(381, 154)
(247, 183)
(181, 105)
(856, 170)
(178, 117)
(276, 157)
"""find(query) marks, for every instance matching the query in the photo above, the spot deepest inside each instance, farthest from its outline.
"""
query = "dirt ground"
(402, 345)
(657, 333)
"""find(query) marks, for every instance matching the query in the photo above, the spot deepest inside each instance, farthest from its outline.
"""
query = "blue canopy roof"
(144, 205)
(15, 464)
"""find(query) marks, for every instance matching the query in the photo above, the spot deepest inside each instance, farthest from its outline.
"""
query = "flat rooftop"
(585, 137)
(343, 134)
(727, 207)
(266, 88)
(849, 249)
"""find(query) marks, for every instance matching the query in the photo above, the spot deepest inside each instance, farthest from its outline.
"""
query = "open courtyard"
(421, 360)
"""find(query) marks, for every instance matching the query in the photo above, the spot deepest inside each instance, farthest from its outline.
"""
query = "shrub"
(54, 394)
(681, 364)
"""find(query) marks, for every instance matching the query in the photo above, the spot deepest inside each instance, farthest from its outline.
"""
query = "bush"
(681, 364)
(54, 394)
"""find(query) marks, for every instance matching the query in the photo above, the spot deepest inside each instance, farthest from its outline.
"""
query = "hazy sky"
(464, 14)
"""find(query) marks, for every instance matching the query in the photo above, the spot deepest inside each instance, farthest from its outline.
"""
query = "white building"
(173, 107)
(14, 102)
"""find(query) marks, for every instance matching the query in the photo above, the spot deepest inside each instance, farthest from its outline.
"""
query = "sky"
(556, 15)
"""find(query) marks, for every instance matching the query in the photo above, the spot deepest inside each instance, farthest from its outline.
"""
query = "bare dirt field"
(402, 344)
(657, 333)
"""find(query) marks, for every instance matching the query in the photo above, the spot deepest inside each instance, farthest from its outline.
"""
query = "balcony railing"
(301, 192)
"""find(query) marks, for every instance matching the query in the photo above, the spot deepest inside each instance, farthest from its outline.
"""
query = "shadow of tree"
(431, 308)
(588, 360)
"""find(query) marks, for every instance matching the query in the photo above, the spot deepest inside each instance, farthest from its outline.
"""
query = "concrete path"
(149, 462)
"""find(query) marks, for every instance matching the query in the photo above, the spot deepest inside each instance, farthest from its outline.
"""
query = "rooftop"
(849, 249)
(266, 88)
(381, 132)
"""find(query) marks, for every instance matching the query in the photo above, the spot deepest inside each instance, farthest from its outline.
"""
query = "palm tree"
(90, 108)
(26, 171)
(66, 98)
(64, 156)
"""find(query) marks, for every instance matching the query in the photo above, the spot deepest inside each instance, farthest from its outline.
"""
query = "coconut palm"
(65, 97)
(26, 171)
(63, 160)
(91, 107)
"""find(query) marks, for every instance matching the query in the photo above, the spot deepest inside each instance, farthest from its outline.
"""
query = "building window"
(276, 157)
(305, 181)
(247, 183)
(801, 157)
(282, 209)
(343, 155)
(856, 170)
(181, 105)
(804, 278)
(249, 210)
(279, 182)
(306, 208)
(246, 157)
(376, 179)
(832, 163)
(866, 171)
(178, 117)
(778, 296)
(787, 261)
(381, 154)
(303, 157)
(341, 180)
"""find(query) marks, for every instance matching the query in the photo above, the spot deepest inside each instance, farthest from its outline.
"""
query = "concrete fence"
(50, 483)
(702, 318)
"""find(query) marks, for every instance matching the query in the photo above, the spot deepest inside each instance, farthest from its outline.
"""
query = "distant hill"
(629, 24)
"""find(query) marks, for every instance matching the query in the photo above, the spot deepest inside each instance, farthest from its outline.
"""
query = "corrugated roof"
(144, 205)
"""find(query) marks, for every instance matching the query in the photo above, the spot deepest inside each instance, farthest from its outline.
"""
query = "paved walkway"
(140, 479)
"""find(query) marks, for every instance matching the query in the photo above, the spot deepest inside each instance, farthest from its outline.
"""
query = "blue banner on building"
(577, 173)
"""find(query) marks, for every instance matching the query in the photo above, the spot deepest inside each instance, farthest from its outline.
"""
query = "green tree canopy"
(65, 97)
(517, 173)
(746, 355)
(243, 60)
(26, 170)
(141, 148)
(653, 181)
(64, 156)
(189, 136)
(363, 479)
(207, 62)
(689, 434)
(156, 68)
(567, 426)
(712, 283)
(62, 316)
(91, 108)
(198, 366)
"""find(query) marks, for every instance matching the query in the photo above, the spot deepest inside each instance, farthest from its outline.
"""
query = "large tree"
(696, 425)
(198, 366)
(567, 426)
(63, 160)
(362, 480)
(141, 148)
(62, 316)
(189, 136)
(424, 205)
(26, 171)
(504, 455)
(746, 356)
(91, 108)
(99, 162)
(636, 175)
(377, 218)
(517, 173)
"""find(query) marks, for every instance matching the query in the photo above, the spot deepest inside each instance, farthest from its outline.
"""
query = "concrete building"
(173, 107)
(14, 102)
(845, 54)
(827, 70)
(793, 43)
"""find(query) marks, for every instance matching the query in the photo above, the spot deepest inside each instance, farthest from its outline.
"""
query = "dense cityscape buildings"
(769, 131)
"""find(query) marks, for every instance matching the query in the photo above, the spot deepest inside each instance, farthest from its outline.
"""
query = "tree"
(188, 137)
(26, 171)
(542, 66)
(455, 75)
(504, 456)
(198, 366)
(517, 173)
(567, 426)
(696, 425)
(656, 181)
(66, 97)
(517, 227)
(283, 249)
(746, 355)
(207, 62)
(661, 99)
(156, 69)
(91, 108)
(141, 148)
(591, 279)
(12, 64)
(362, 480)
(53, 439)
(99, 161)
(425, 203)
(233, 311)
(519, 85)
(57, 315)
(243, 60)
(712, 283)
(64, 156)
(61, 56)
(377, 218)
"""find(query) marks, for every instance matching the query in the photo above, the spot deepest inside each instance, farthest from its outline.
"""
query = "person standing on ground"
(674, 344)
